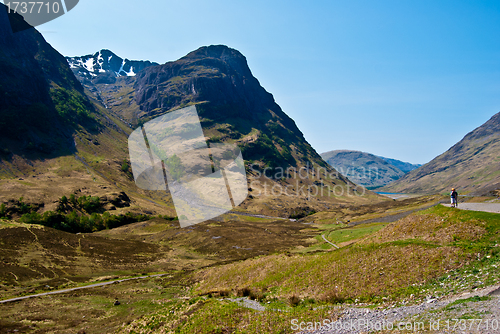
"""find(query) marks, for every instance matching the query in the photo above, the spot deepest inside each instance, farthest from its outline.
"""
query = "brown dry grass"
(356, 272)
(430, 228)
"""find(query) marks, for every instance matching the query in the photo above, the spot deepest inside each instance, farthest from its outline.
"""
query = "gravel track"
(354, 320)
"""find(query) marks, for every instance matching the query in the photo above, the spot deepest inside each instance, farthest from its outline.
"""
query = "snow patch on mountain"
(106, 62)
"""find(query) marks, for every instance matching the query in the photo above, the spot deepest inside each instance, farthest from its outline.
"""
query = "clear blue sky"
(402, 79)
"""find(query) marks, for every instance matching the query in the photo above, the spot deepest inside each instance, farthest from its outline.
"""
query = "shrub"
(72, 199)
(74, 223)
(244, 292)
(125, 166)
(23, 207)
(257, 295)
(333, 297)
(294, 300)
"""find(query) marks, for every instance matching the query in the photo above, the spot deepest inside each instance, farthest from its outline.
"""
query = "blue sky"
(401, 79)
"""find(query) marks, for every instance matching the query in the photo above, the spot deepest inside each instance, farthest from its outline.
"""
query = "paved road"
(78, 288)
(486, 207)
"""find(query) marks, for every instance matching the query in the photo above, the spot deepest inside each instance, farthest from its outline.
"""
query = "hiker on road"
(454, 198)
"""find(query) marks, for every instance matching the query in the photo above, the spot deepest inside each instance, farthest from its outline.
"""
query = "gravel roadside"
(486, 207)
(476, 312)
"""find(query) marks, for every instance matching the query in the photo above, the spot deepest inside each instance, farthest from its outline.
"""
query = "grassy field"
(385, 264)
(340, 236)
(433, 252)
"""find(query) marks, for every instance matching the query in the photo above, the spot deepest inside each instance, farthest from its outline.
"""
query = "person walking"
(454, 198)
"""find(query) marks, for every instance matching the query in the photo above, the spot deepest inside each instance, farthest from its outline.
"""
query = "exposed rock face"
(216, 74)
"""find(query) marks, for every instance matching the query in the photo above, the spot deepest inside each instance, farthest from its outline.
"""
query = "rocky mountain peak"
(231, 57)
(104, 65)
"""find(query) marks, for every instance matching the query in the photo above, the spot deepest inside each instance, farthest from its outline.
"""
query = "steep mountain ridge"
(471, 165)
(231, 102)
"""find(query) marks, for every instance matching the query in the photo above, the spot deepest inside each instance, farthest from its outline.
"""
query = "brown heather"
(356, 272)
(430, 228)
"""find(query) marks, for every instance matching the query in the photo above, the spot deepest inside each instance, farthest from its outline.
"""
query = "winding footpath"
(78, 288)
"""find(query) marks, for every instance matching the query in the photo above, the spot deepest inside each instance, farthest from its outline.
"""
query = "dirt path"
(78, 288)
(330, 242)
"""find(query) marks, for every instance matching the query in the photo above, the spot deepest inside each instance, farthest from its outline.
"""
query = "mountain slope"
(231, 101)
(54, 141)
(405, 167)
(472, 165)
(42, 101)
(363, 168)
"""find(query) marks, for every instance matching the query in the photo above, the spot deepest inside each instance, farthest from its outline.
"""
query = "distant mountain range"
(472, 165)
(366, 169)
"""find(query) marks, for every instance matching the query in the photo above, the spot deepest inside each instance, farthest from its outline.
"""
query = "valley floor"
(407, 262)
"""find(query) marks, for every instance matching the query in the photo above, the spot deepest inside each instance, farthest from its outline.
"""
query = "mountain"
(471, 165)
(232, 103)
(42, 102)
(405, 167)
(233, 108)
(56, 141)
(362, 168)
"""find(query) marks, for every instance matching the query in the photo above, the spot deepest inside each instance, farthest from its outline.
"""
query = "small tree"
(63, 202)
(125, 166)
(3, 211)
